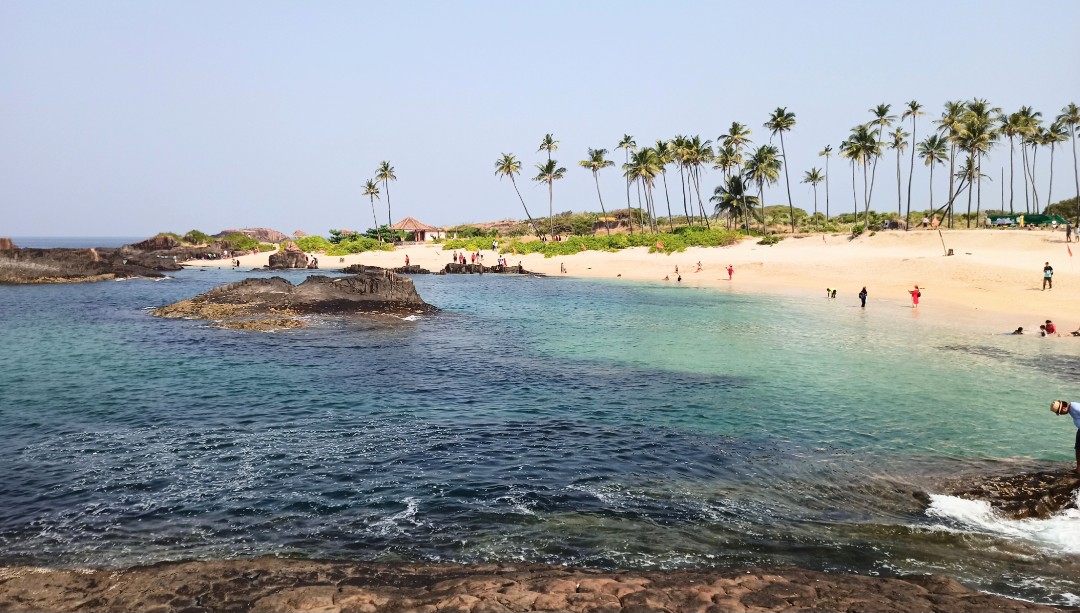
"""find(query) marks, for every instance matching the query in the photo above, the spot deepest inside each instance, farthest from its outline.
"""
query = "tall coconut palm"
(727, 160)
(898, 142)
(643, 166)
(951, 124)
(737, 138)
(826, 153)
(549, 172)
(549, 144)
(849, 152)
(628, 144)
(697, 154)
(913, 110)
(813, 177)
(979, 124)
(1070, 117)
(1011, 126)
(665, 154)
(731, 199)
(508, 166)
(862, 147)
(882, 119)
(763, 168)
(385, 173)
(1030, 125)
(596, 162)
(933, 153)
(679, 154)
(1056, 133)
(779, 122)
(371, 190)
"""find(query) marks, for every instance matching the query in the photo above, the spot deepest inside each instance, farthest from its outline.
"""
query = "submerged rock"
(274, 584)
(275, 304)
(1029, 495)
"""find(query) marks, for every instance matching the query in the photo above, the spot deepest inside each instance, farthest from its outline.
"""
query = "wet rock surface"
(30, 265)
(274, 303)
(1028, 495)
(271, 584)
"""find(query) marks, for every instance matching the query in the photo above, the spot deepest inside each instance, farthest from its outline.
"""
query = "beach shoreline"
(990, 284)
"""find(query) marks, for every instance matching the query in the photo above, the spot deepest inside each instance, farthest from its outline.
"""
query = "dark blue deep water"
(547, 420)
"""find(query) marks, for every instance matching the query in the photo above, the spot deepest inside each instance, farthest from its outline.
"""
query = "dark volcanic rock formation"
(76, 265)
(289, 256)
(263, 235)
(271, 584)
(1038, 495)
(160, 242)
(272, 304)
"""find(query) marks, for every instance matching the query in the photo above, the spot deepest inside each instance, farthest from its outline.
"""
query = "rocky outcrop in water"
(1029, 495)
(29, 265)
(272, 584)
(274, 304)
(289, 256)
(263, 235)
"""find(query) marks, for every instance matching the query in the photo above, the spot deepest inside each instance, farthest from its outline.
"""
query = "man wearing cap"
(1064, 407)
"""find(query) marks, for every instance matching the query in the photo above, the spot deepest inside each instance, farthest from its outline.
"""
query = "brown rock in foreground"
(1028, 495)
(274, 303)
(271, 584)
(7, 245)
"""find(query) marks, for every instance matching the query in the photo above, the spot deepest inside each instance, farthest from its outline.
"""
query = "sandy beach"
(992, 282)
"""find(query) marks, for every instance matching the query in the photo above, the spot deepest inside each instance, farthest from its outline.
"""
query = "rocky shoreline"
(273, 584)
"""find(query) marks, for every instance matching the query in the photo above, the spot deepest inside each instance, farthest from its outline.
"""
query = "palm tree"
(1056, 133)
(827, 153)
(665, 154)
(1011, 126)
(932, 151)
(883, 120)
(700, 153)
(627, 143)
(679, 155)
(732, 200)
(644, 165)
(849, 152)
(549, 144)
(981, 135)
(899, 141)
(913, 110)
(508, 166)
(1029, 124)
(1070, 116)
(763, 167)
(385, 173)
(813, 177)
(549, 172)
(779, 122)
(595, 163)
(371, 189)
(863, 146)
(950, 124)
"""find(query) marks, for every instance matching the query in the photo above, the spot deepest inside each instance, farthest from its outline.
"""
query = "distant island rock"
(275, 304)
(263, 235)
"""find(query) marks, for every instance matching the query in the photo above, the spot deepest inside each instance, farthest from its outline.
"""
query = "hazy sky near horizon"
(129, 118)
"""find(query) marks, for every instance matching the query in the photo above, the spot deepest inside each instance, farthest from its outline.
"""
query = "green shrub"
(313, 244)
(358, 244)
(196, 237)
(856, 230)
(771, 239)
(241, 241)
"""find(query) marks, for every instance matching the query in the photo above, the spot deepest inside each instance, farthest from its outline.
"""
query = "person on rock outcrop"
(1072, 409)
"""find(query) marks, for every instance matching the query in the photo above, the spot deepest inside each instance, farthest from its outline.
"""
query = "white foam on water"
(411, 318)
(1060, 533)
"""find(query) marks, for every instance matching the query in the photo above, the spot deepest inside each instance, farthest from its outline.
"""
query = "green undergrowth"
(666, 242)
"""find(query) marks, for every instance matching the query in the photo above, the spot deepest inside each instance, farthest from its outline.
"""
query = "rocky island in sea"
(276, 304)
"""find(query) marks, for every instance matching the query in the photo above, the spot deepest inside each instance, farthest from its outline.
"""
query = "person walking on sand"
(730, 271)
(862, 296)
(1072, 409)
(1048, 276)
(915, 295)
(406, 259)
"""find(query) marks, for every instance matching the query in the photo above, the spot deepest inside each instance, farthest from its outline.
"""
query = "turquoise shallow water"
(548, 420)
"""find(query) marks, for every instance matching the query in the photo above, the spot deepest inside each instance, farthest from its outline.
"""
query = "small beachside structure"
(420, 231)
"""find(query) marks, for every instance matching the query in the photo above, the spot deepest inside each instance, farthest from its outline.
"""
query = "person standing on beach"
(915, 295)
(1048, 276)
(1068, 232)
(730, 271)
(862, 296)
(1072, 409)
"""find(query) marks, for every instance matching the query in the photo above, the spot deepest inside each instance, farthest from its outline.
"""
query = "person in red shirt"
(915, 295)
(1050, 327)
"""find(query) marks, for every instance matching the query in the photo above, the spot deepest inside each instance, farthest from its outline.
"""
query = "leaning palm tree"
(1029, 127)
(827, 153)
(951, 124)
(665, 154)
(882, 119)
(1056, 133)
(933, 153)
(762, 168)
(508, 166)
(596, 162)
(898, 142)
(371, 189)
(679, 155)
(913, 110)
(731, 199)
(549, 144)
(549, 172)
(385, 173)
(779, 122)
(1011, 126)
(698, 153)
(628, 144)
(1070, 116)
(813, 177)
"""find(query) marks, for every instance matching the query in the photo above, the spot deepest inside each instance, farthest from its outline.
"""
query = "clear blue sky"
(128, 118)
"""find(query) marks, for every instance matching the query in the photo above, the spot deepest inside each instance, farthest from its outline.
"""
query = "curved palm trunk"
(682, 182)
(378, 230)
(701, 205)
(854, 194)
(1050, 188)
(931, 189)
(911, 172)
(899, 197)
(969, 202)
(1012, 154)
(629, 209)
(978, 202)
(787, 182)
(826, 189)
(815, 199)
(1076, 175)
(1034, 187)
(386, 188)
(551, 207)
(531, 222)
(761, 201)
(596, 177)
(640, 218)
(667, 199)
(867, 189)
(1023, 156)
(952, 179)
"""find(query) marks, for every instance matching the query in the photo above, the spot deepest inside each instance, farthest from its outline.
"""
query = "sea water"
(532, 419)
